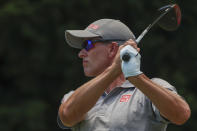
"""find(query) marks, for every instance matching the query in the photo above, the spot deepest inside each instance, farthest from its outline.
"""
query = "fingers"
(131, 43)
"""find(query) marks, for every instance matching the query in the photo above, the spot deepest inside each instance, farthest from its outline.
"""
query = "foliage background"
(37, 67)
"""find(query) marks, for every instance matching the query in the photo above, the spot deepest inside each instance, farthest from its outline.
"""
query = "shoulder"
(163, 83)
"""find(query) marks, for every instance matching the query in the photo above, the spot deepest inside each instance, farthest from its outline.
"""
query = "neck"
(117, 82)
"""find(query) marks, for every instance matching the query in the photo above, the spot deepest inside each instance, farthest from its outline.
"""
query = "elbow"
(65, 117)
(182, 116)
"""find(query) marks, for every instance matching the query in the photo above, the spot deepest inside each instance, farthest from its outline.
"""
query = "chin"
(89, 74)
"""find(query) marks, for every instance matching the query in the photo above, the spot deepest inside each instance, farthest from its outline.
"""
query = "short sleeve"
(168, 86)
(164, 84)
(66, 96)
(60, 124)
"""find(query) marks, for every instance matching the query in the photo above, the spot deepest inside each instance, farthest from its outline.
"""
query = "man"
(120, 97)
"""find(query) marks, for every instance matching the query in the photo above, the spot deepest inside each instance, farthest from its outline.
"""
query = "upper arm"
(159, 116)
(181, 108)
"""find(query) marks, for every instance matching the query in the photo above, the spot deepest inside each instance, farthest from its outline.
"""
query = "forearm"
(84, 98)
(170, 105)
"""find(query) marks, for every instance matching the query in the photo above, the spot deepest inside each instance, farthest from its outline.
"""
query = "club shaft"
(151, 25)
(127, 56)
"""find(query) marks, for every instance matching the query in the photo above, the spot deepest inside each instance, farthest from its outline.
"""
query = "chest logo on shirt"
(125, 98)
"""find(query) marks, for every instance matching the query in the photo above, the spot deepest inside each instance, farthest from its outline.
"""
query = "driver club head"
(172, 19)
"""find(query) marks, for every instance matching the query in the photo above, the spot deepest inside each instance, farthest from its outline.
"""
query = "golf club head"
(172, 19)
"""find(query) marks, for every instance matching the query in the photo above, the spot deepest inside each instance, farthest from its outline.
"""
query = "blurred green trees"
(37, 67)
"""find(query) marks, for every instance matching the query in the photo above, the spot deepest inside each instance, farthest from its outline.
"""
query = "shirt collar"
(127, 84)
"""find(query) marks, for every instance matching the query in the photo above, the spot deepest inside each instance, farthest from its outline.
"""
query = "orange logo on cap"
(92, 26)
(125, 98)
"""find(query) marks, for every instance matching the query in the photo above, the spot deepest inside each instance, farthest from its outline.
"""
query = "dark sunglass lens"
(89, 45)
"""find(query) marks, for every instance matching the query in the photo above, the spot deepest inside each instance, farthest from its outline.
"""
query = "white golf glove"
(131, 67)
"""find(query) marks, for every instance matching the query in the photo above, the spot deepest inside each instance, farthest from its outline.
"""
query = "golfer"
(119, 97)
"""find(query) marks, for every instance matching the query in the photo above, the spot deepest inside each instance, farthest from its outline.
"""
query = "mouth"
(85, 63)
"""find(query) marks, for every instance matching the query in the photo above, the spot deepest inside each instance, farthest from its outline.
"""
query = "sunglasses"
(89, 44)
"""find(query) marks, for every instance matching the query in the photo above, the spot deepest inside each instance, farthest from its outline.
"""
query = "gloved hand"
(131, 67)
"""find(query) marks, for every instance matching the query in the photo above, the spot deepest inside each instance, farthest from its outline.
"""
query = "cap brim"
(75, 38)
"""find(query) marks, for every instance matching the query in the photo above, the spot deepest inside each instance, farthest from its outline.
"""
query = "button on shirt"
(125, 108)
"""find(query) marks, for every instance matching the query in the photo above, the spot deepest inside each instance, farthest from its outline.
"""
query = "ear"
(113, 49)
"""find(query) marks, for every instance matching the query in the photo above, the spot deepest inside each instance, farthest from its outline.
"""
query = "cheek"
(99, 56)
(98, 62)
(101, 61)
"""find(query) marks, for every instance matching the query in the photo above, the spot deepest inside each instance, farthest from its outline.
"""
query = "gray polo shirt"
(125, 108)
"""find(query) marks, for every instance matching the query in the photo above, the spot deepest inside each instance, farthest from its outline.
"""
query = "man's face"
(96, 60)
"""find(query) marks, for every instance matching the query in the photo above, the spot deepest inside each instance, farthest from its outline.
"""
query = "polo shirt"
(125, 108)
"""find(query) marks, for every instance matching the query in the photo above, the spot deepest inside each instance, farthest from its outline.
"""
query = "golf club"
(169, 20)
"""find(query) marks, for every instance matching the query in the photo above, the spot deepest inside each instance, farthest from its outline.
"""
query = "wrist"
(136, 79)
(115, 70)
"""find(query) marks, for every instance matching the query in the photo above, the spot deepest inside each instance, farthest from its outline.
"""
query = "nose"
(82, 53)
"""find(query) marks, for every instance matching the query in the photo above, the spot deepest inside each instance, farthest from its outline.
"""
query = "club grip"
(126, 57)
